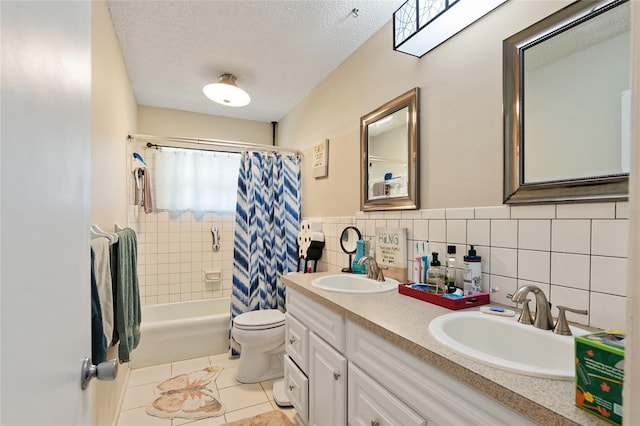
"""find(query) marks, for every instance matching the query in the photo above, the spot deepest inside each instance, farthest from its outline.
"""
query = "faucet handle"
(562, 326)
(525, 314)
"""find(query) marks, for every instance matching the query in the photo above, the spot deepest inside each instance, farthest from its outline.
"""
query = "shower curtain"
(267, 225)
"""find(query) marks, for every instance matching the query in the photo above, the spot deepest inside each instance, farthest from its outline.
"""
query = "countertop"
(404, 321)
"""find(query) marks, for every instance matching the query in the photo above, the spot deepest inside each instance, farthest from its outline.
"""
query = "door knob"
(107, 370)
(292, 340)
(336, 375)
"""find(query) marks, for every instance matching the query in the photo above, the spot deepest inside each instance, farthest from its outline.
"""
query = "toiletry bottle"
(451, 269)
(358, 269)
(436, 275)
(472, 273)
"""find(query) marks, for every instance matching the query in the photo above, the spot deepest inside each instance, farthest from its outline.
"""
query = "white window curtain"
(196, 180)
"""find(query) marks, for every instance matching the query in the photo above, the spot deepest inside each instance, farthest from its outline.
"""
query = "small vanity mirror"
(389, 149)
(350, 235)
(567, 106)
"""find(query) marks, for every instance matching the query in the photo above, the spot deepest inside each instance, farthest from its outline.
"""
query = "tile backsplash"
(576, 253)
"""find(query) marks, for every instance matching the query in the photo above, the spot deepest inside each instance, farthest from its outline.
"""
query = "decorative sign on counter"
(391, 252)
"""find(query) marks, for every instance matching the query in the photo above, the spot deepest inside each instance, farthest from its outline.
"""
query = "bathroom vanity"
(370, 359)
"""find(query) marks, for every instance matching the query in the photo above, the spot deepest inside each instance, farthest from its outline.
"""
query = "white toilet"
(261, 337)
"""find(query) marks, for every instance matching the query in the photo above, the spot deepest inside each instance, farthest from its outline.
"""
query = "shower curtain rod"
(240, 146)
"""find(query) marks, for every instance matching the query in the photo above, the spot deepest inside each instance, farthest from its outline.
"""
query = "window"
(196, 180)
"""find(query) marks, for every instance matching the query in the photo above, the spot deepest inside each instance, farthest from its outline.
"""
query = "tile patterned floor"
(241, 400)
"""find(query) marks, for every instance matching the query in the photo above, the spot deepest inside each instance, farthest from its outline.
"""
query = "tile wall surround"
(576, 253)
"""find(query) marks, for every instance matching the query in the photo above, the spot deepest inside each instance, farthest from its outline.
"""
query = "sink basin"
(351, 283)
(504, 343)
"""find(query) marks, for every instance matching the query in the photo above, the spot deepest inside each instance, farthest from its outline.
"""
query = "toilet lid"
(266, 318)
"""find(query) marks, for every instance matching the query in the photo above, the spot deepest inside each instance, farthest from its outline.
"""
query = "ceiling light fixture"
(227, 92)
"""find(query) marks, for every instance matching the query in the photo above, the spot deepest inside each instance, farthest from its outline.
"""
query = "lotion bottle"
(472, 273)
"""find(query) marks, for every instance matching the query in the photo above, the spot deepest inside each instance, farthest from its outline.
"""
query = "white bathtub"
(184, 330)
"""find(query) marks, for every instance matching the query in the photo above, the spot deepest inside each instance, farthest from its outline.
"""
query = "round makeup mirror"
(348, 239)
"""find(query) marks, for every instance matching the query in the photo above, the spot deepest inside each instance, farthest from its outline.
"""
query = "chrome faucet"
(374, 271)
(543, 318)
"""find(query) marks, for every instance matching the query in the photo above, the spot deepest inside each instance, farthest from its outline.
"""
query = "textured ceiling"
(278, 50)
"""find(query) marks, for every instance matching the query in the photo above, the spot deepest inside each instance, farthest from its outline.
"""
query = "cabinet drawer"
(422, 387)
(296, 386)
(371, 404)
(322, 321)
(297, 341)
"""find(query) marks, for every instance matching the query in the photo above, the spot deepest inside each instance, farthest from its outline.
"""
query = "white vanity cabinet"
(315, 367)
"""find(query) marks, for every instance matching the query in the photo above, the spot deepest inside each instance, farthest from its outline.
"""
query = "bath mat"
(270, 418)
(188, 396)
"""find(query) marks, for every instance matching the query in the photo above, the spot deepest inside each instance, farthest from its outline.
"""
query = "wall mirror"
(350, 235)
(567, 106)
(389, 149)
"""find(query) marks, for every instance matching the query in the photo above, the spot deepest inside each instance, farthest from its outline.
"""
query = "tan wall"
(113, 116)
(170, 122)
(460, 114)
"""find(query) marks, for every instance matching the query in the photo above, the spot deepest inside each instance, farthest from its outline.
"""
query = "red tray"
(464, 302)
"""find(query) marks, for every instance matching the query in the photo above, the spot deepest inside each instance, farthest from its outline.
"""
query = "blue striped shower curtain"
(267, 226)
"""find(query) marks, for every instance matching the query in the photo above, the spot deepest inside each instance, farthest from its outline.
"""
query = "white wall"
(170, 122)
(113, 116)
(460, 113)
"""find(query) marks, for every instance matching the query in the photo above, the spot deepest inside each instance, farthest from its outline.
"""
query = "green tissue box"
(600, 374)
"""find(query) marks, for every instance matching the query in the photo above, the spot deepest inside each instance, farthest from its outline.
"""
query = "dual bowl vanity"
(363, 355)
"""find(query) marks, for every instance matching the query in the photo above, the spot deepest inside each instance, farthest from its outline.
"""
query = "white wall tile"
(433, 214)
(571, 236)
(504, 261)
(393, 214)
(608, 311)
(438, 230)
(420, 229)
(586, 210)
(570, 270)
(411, 214)
(544, 211)
(494, 212)
(534, 265)
(609, 275)
(505, 285)
(408, 225)
(460, 213)
(572, 298)
(622, 210)
(457, 231)
(534, 234)
(504, 233)
(479, 232)
(610, 237)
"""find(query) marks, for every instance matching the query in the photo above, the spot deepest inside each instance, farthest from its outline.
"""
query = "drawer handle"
(292, 340)
(291, 387)
(375, 423)
(336, 375)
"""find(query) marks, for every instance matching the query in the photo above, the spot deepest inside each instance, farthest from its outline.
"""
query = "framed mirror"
(389, 151)
(567, 106)
(350, 235)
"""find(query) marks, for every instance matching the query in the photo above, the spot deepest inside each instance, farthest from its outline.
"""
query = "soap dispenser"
(356, 268)
(436, 275)
(472, 273)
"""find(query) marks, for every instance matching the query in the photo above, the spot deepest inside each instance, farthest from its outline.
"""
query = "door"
(45, 211)
(327, 384)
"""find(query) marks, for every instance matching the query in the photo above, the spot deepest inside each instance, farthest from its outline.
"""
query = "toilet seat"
(259, 320)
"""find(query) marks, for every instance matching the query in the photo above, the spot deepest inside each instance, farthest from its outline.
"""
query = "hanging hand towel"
(147, 201)
(126, 294)
(102, 267)
(98, 340)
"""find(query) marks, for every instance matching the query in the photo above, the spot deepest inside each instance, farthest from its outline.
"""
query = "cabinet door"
(327, 384)
(371, 404)
(296, 386)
